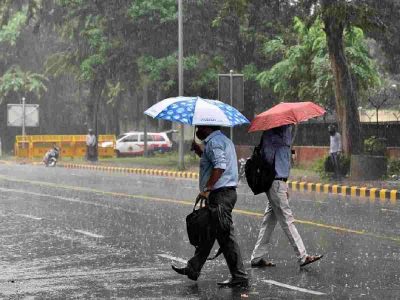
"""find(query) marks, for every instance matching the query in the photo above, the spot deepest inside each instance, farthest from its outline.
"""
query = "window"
(150, 138)
(131, 138)
(158, 138)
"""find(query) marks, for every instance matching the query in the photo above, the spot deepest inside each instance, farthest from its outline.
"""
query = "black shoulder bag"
(198, 223)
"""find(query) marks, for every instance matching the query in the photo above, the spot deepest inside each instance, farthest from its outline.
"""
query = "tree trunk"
(345, 91)
(92, 104)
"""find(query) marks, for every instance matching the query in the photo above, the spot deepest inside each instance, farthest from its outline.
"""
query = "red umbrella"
(286, 113)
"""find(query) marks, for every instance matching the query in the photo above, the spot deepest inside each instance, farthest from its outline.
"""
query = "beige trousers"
(278, 210)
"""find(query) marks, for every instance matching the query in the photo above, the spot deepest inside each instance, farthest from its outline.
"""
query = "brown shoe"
(310, 259)
(262, 263)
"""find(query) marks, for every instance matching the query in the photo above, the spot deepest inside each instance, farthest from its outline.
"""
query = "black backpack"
(259, 173)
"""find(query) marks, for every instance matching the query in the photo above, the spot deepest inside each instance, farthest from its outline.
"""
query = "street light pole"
(181, 163)
(231, 97)
(23, 119)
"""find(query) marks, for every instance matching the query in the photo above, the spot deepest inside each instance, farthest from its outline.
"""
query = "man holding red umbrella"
(276, 150)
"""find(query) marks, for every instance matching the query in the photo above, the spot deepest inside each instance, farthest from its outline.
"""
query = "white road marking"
(29, 217)
(291, 287)
(173, 258)
(51, 196)
(391, 210)
(89, 234)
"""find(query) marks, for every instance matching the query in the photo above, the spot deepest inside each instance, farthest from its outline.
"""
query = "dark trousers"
(91, 153)
(335, 162)
(226, 198)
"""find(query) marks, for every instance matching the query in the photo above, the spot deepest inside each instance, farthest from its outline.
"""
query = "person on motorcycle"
(51, 154)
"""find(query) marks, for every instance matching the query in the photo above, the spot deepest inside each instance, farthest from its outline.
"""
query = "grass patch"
(162, 161)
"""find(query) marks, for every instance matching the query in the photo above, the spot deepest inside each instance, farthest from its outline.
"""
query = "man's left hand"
(203, 195)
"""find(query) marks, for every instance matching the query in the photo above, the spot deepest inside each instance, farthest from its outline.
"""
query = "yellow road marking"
(183, 202)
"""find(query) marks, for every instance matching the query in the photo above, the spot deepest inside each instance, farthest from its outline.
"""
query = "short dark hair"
(214, 128)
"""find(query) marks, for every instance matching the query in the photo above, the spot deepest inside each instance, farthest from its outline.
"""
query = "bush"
(394, 167)
(325, 169)
(375, 146)
(319, 167)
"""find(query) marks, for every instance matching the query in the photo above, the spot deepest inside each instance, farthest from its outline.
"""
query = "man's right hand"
(196, 148)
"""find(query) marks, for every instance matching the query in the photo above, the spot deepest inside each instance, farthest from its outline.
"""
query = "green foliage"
(206, 75)
(153, 68)
(113, 91)
(375, 146)
(61, 64)
(163, 69)
(89, 65)
(17, 81)
(325, 169)
(10, 32)
(319, 167)
(394, 167)
(99, 46)
(164, 10)
(303, 70)
(250, 72)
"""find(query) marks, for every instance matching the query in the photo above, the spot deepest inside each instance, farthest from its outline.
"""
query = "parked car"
(132, 143)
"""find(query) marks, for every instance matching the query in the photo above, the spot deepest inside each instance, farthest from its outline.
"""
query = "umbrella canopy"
(197, 111)
(284, 114)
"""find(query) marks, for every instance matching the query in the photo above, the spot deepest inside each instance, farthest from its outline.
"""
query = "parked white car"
(132, 143)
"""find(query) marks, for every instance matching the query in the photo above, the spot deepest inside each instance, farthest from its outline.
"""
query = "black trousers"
(335, 162)
(226, 198)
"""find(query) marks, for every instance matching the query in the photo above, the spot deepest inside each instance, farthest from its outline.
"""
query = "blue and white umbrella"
(197, 111)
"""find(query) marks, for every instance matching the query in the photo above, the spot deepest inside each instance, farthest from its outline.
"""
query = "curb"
(342, 190)
(139, 171)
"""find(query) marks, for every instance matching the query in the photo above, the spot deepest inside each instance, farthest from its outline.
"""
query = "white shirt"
(335, 143)
(91, 140)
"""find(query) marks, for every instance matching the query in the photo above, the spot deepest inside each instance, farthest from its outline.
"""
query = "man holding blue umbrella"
(218, 181)
(218, 176)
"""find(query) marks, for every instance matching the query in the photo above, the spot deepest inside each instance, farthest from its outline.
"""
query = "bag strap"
(199, 199)
(218, 253)
(259, 146)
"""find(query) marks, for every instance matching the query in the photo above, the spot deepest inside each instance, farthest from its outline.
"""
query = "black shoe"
(234, 282)
(262, 263)
(186, 271)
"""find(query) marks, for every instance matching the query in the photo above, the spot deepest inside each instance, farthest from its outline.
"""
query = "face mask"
(200, 134)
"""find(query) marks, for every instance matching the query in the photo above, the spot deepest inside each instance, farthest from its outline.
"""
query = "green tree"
(16, 81)
(303, 70)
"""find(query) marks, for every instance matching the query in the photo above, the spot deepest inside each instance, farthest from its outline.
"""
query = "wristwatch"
(205, 190)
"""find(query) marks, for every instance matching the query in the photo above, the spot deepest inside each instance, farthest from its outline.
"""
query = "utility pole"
(181, 162)
(231, 97)
(145, 101)
(23, 123)
(23, 119)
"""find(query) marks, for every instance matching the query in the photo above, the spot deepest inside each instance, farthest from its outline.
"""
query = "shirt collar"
(207, 139)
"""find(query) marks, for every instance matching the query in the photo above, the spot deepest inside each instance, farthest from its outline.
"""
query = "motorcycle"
(51, 157)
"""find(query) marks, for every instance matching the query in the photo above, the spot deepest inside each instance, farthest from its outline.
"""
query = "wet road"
(80, 234)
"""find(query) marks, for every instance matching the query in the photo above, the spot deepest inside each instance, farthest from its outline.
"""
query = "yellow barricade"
(74, 146)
